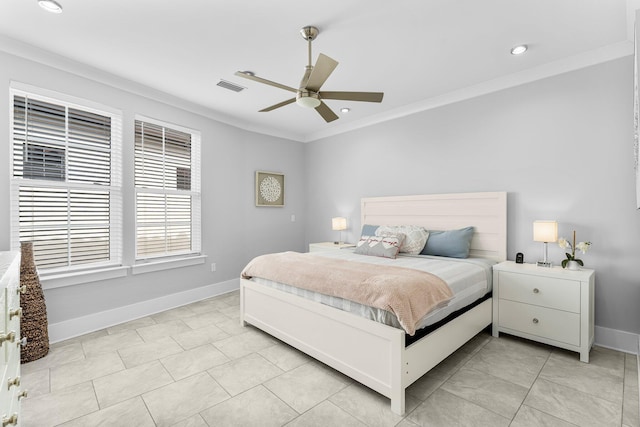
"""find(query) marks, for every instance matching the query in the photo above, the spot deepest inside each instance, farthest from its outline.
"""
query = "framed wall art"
(269, 189)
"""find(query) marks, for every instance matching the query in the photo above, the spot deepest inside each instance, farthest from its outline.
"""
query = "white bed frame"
(369, 352)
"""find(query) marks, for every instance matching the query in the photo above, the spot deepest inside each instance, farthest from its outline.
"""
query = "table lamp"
(338, 224)
(545, 231)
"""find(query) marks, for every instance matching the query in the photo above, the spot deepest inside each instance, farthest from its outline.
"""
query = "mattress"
(470, 279)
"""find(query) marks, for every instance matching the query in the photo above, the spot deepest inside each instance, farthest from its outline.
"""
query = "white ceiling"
(420, 53)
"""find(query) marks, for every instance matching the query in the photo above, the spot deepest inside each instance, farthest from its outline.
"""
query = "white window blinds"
(66, 191)
(167, 181)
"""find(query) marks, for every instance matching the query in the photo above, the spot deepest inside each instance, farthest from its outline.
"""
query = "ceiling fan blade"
(321, 72)
(327, 114)
(353, 96)
(265, 81)
(278, 105)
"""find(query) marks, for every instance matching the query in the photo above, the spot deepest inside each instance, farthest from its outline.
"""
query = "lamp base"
(544, 264)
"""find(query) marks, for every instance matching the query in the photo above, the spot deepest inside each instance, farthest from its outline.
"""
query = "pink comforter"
(408, 294)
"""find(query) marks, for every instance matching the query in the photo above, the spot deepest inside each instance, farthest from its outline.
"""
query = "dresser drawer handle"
(14, 313)
(11, 336)
(535, 320)
(10, 421)
(23, 394)
(13, 381)
(22, 342)
(536, 290)
(21, 290)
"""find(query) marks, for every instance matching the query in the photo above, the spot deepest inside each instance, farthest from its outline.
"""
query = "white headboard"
(487, 212)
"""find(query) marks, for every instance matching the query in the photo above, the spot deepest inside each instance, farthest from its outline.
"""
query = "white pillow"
(414, 240)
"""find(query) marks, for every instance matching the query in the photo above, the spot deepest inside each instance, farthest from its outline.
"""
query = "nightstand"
(550, 305)
(327, 246)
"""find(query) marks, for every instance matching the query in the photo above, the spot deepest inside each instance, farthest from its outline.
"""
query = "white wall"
(561, 147)
(233, 229)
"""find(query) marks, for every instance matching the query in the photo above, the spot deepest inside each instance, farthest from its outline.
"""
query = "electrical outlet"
(213, 266)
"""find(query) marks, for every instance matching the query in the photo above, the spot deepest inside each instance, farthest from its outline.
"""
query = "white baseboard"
(616, 339)
(93, 322)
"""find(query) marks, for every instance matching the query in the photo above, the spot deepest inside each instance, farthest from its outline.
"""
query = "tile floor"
(195, 366)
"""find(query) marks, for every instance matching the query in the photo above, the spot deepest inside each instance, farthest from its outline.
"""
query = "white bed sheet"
(469, 279)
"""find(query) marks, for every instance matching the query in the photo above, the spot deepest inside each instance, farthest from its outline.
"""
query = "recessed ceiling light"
(50, 6)
(345, 110)
(519, 50)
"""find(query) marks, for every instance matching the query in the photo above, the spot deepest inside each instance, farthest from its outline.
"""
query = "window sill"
(61, 280)
(167, 264)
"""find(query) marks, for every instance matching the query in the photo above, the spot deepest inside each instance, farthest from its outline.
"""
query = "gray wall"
(561, 147)
(233, 229)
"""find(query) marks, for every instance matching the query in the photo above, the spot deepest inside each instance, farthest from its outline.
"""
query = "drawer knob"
(21, 290)
(23, 394)
(535, 320)
(9, 421)
(22, 342)
(13, 381)
(11, 336)
(17, 312)
(536, 290)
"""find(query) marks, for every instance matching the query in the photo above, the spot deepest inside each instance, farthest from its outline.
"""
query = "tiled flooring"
(195, 366)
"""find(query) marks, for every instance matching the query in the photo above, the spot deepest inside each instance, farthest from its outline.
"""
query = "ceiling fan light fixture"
(519, 50)
(307, 100)
(50, 6)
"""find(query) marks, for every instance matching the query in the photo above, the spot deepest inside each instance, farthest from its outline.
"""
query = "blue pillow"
(450, 243)
(369, 230)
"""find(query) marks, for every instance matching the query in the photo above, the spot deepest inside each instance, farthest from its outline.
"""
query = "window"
(167, 182)
(66, 190)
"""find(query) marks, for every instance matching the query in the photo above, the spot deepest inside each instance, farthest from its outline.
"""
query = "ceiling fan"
(309, 94)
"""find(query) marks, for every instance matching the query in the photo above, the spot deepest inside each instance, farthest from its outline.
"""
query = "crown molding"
(565, 65)
(572, 63)
(32, 53)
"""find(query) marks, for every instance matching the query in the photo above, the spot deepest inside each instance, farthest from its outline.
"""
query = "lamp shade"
(545, 231)
(338, 223)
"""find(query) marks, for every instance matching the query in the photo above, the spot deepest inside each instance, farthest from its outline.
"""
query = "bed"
(373, 353)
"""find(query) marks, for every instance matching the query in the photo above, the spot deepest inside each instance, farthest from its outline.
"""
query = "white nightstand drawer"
(544, 322)
(542, 291)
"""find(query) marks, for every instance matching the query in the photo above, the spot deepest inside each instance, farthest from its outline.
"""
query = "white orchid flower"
(583, 246)
(563, 243)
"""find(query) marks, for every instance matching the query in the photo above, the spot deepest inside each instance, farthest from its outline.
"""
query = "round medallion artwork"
(270, 189)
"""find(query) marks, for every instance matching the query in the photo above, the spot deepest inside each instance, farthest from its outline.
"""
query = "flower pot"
(573, 265)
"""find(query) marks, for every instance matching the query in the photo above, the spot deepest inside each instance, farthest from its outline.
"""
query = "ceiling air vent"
(231, 86)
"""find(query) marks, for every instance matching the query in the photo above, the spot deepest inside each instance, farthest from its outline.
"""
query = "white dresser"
(550, 305)
(10, 343)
